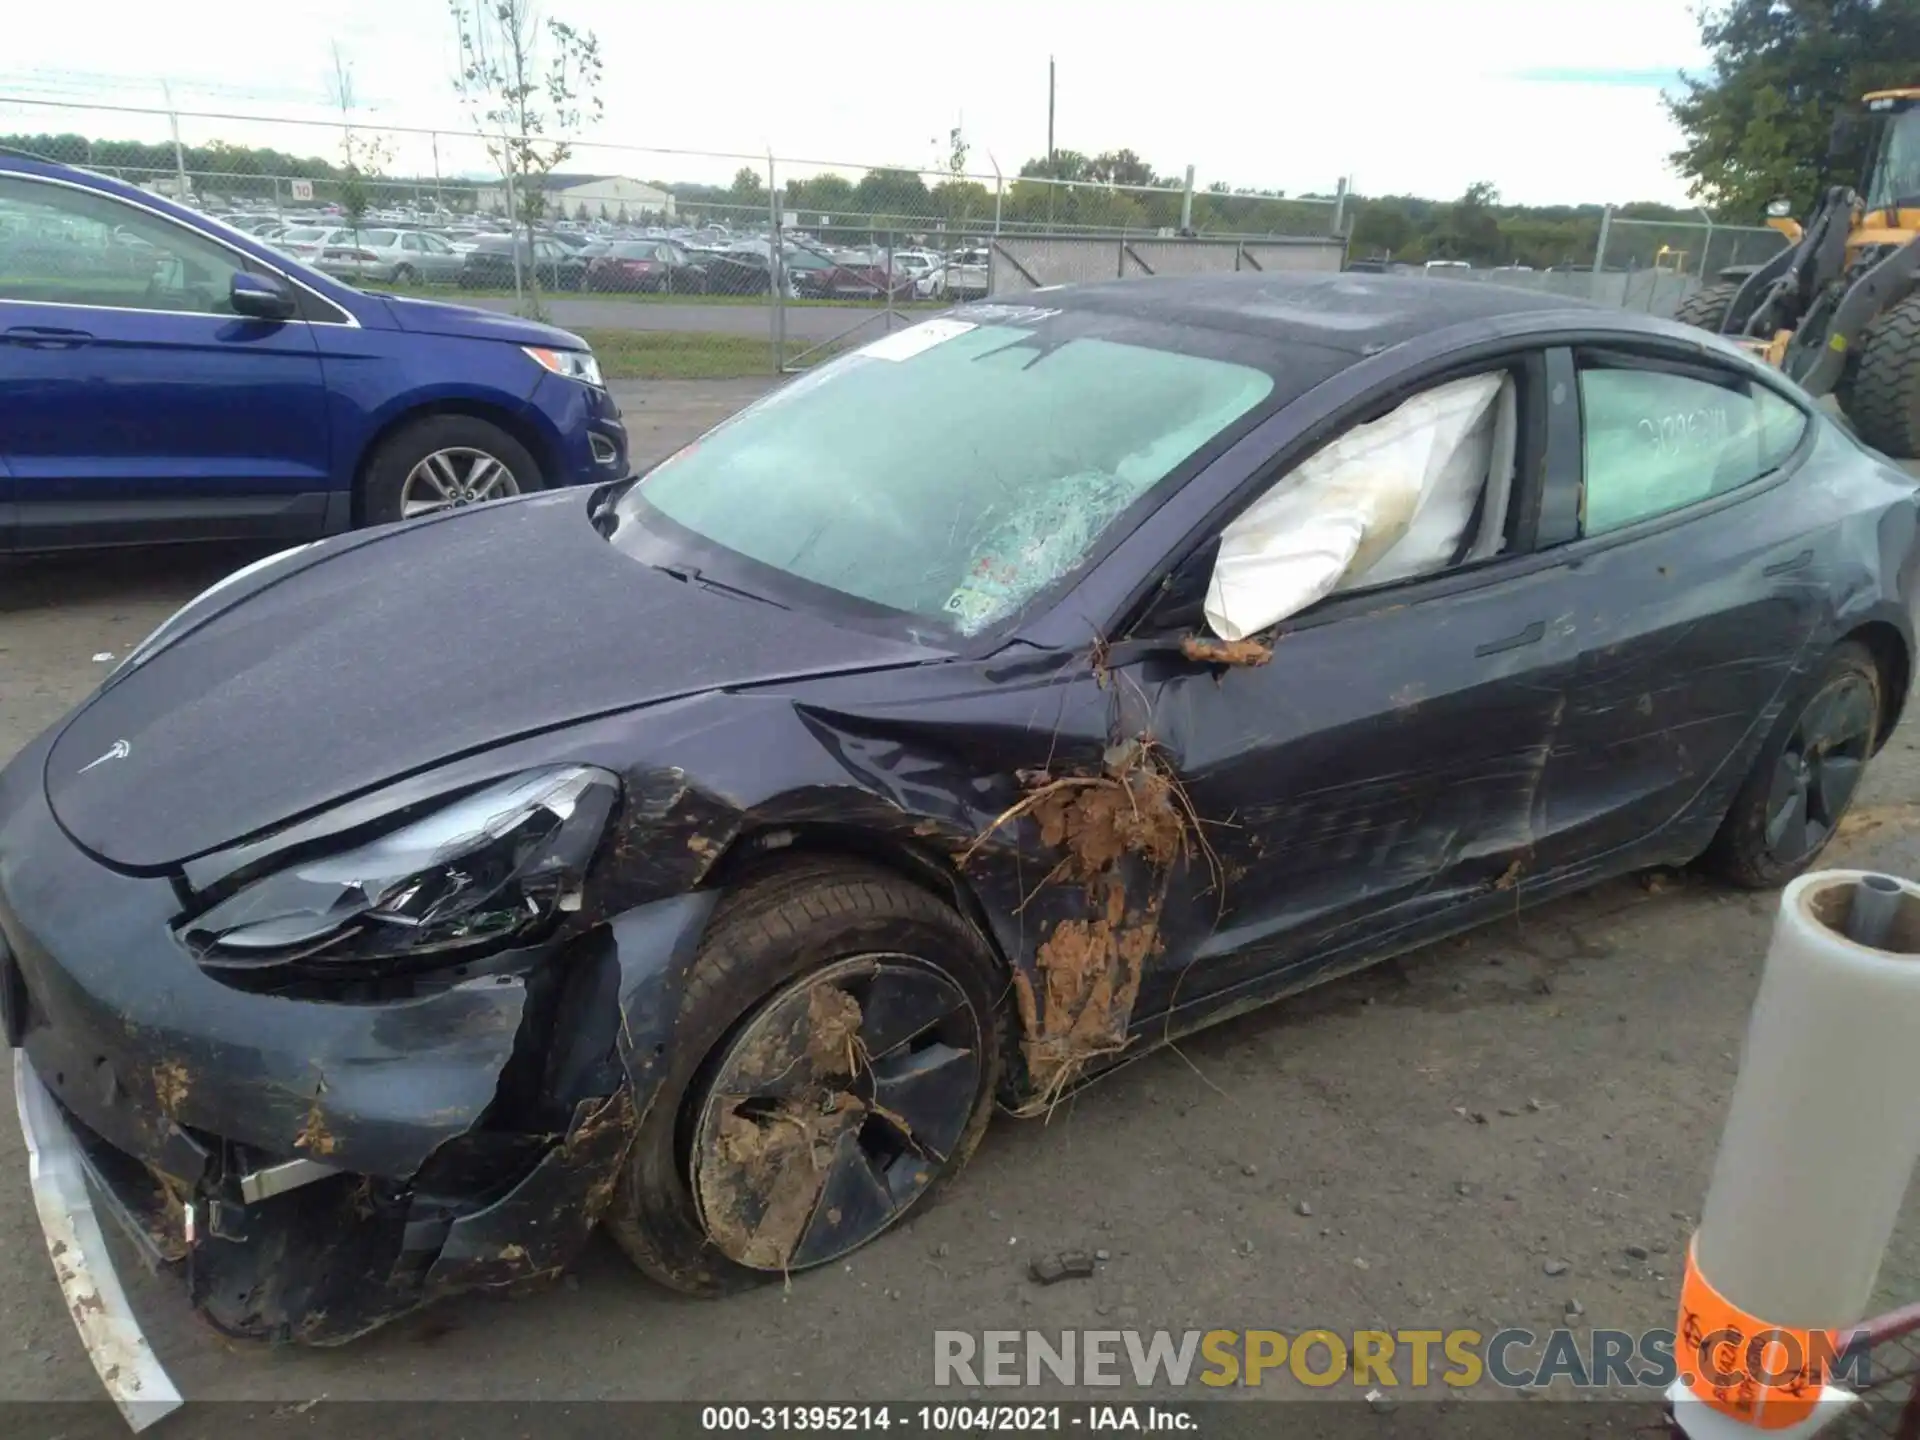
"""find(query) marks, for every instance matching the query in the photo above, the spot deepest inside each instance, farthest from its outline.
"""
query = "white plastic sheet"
(1385, 501)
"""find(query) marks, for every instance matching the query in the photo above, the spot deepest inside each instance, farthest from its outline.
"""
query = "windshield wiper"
(692, 575)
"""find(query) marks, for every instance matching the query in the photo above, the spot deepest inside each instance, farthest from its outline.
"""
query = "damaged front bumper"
(313, 1169)
(135, 1380)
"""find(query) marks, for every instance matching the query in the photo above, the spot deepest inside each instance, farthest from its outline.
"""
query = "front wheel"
(1804, 778)
(1707, 307)
(444, 462)
(833, 1065)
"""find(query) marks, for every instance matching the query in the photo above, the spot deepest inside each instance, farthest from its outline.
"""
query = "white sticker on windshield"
(905, 344)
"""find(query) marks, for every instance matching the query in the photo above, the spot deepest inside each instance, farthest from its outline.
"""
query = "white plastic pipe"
(1824, 1129)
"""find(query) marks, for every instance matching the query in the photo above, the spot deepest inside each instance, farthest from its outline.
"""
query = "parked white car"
(398, 257)
(966, 275)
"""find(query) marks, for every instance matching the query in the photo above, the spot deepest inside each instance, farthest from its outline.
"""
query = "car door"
(133, 401)
(1686, 591)
(439, 261)
(1375, 778)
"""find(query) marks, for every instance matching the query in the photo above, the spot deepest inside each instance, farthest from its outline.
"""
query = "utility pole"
(1053, 170)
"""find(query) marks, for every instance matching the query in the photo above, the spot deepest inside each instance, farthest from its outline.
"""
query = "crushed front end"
(315, 1153)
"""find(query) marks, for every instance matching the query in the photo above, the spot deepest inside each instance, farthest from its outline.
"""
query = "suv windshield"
(952, 471)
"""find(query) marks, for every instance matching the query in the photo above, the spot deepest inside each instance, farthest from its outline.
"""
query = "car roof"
(1354, 313)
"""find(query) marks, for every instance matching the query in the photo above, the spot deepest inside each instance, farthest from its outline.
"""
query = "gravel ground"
(1323, 1162)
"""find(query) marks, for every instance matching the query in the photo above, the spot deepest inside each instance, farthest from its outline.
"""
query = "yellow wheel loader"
(1839, 308)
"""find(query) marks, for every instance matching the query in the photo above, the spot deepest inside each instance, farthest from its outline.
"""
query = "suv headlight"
(494, 866)
(574, 364)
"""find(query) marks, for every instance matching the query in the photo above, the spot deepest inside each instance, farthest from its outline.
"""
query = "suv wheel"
(441, 463)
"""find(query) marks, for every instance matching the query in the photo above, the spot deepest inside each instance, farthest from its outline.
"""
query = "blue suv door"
(134, 403)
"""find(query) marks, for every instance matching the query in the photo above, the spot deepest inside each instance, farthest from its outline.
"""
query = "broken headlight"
(489, 868)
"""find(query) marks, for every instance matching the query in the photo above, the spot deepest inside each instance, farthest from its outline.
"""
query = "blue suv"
(164, 377)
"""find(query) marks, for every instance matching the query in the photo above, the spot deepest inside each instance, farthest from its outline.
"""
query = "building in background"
(602, 197)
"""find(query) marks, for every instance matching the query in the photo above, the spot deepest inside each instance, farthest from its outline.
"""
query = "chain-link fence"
(1646, 265)
(674, 263)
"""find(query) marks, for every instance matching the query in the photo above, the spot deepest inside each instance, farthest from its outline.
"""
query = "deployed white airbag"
(1385, 501)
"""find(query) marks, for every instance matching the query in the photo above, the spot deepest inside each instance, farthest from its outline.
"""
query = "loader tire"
(1707, 307)
(1882, 395)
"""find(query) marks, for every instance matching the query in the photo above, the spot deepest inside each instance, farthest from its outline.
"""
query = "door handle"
(46, 337)
(1527, 636)
(1784, 567)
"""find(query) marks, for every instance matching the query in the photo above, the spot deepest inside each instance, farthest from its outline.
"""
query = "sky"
(1552, 101)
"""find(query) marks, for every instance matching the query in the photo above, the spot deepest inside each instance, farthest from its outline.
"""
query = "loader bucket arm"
(1781, 294)
(1817, 355)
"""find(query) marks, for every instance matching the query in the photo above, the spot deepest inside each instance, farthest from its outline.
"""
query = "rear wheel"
(1804, 777)
(833, 1065)
(443, 462)
(403, 275)
(1882, 394)
(1707, 307)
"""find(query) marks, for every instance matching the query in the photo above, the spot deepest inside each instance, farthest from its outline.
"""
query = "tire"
(384, 489)
(1707, 307)
(1745, 851)
(768, 944)
(403, 275)
(1882, 394)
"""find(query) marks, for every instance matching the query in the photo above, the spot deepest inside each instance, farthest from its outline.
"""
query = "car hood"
(435, 317)
(356, 664)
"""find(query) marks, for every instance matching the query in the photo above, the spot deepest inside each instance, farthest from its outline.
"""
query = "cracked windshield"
(953, 470)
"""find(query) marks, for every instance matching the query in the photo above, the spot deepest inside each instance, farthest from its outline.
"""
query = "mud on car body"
(1029, 687)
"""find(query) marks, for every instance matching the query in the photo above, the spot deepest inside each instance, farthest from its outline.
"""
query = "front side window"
(1422, 488)
(1657, 439)
(952, 471)
(66, 246)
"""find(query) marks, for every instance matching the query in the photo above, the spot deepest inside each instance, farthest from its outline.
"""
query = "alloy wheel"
(456, 476)
(1816, 775)
(832, 1109)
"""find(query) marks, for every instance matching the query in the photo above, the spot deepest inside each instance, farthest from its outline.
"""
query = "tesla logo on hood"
(119, 751)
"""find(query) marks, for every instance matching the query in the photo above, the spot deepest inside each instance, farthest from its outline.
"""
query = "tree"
(1120, 167)
(1757, 126)
(362, 156)
(747, 190)
(526, 87)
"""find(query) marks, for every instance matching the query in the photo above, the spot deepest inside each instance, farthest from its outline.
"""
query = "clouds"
(1548, 99)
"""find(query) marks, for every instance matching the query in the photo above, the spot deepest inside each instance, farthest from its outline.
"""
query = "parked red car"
(655, 265)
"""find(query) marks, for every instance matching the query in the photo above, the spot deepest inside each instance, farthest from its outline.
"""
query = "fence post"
(889, 285)
(513, 220)
(1600, 250)
(179, 157)
(1186, 203)
(1340, 207)
(999, 191)
(776, 273)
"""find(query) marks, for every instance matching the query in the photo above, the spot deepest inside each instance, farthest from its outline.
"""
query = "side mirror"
(261, 297)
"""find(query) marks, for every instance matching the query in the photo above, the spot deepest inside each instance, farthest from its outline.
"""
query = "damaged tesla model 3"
(1027, 688)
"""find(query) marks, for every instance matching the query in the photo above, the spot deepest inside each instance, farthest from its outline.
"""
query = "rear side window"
(1659, 438)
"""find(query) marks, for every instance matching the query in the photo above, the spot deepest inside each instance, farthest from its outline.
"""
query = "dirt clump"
(761, 1176)
(1208, 651)
(1121, 833)
(762, 1179)
(833, 1025)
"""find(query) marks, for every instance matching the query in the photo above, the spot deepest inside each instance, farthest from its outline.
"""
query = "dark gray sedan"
(1018, 692)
